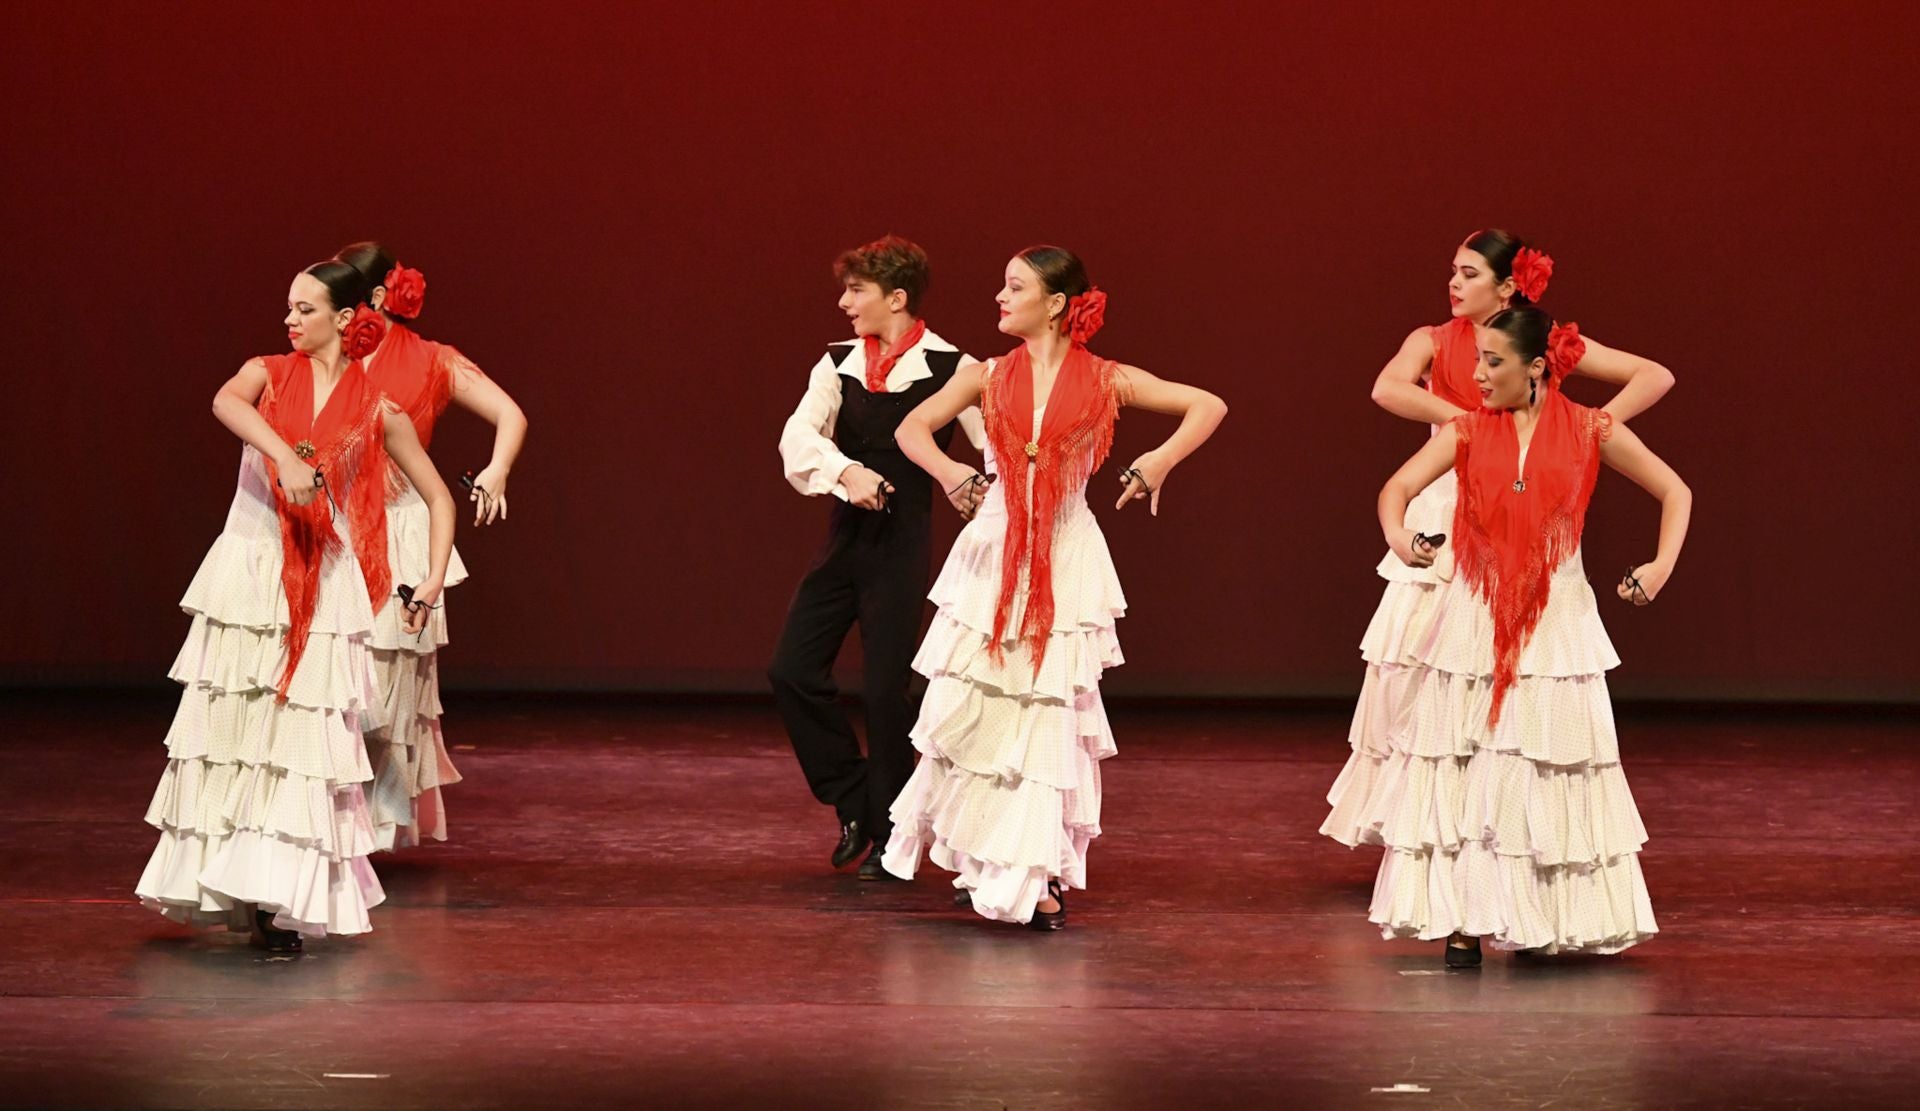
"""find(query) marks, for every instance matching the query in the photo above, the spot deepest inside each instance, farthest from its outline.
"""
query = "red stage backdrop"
(627, 215)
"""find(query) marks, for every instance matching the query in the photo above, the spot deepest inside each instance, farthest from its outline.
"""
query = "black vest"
(864, 430)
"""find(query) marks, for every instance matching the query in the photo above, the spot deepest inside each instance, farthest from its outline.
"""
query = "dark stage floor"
(635, 911)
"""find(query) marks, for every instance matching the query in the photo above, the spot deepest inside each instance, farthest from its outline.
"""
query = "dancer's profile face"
(1472, 289)
(311, 321)
(868, 306)
(1026, 308)
(1503, 376)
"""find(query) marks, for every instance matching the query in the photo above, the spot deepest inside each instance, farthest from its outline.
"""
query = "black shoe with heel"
(272, 938)
(871, 869)
(1463, 956)
(853, 841)
(1045, 920)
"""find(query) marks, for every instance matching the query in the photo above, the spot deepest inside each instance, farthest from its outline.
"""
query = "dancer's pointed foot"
(1463, 951)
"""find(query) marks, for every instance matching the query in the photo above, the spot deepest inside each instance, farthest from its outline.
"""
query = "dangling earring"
(1533, 387)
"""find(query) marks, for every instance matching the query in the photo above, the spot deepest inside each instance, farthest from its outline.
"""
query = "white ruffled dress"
(262, 801)
(1007, 790)
(406, 746)
(1525, 834)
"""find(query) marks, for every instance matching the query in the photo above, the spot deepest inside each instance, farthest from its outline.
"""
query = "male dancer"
(873, 567)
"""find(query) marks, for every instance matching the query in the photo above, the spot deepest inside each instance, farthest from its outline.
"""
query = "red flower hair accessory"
(1531, 269)
(361, 337)
(1565, 349)
(1086, 314)
(406, 292)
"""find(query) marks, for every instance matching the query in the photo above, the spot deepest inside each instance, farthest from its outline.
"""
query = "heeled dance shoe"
(272, 938)
(1047, 920)
(1463, 956)
(852, 841)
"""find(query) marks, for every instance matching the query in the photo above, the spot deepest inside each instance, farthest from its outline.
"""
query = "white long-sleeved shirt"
(813, 462)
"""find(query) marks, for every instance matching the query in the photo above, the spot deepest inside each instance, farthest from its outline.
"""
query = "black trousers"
(873, 570)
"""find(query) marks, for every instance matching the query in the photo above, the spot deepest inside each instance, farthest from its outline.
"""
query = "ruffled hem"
(1074, 662)
(1087, 590)
(1561, 721)
(1512, 902)
(404, 823)
(1412, 802)
(979, 731)
(409, 754)
(238, 584)
(1431, 512)
(1550, 815)
(1402, 626)
(390, 634)
(203, 880)
(409, 554)
(1005, 838)
(196, 797)
(1570, 640)
(1529, 837)
(1383, 711)
(220, 728)
(242, 659)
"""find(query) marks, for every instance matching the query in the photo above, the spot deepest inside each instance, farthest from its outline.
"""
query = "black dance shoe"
(852, 842)
(870, 868)
(963, 898)
(1051, 920)
(1463, 956)
(272, 938)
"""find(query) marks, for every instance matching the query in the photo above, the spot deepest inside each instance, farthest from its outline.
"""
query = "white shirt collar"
(910, 369)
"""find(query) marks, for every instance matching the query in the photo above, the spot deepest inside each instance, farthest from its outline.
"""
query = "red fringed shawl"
(345, 442)
(1509, 540)
(416, 374)
(1075, 436)
(1456, 352)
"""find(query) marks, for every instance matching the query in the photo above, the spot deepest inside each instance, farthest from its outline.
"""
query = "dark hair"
(370, 258)
(1498, 248)
(346, 286)
(1528, 329)
(1060, 270)
(891, 263)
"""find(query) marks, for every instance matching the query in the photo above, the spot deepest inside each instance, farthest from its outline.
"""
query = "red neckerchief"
(879, 366)
(342, 441)
(1456, 352)
(1075, 436)
(1514, 526)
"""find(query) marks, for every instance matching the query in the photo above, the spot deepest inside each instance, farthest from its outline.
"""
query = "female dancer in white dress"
(1011, 731)
(262, 817)
(1431, 379)
(405, 744)
(1505, 814)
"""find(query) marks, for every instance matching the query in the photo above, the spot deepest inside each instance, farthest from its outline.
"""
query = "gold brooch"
(304, 449)
(1033, 450)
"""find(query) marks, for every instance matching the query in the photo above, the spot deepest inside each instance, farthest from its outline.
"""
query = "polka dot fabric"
(1007, 791)
(263, 801)
(407, 747)
(1526, 834)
